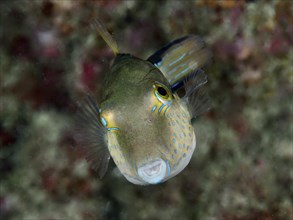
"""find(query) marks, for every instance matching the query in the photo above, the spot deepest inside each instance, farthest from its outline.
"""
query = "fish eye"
(162, 92)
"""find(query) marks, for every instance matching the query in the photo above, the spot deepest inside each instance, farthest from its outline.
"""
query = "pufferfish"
(142, 122)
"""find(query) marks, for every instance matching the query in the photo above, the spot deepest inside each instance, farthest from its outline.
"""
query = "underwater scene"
(146, 110)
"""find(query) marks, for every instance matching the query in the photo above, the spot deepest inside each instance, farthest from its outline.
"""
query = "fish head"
(149, 131)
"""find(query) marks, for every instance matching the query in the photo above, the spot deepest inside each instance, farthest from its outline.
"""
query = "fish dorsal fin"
(180, 58)
(91, 135)
(102, 30)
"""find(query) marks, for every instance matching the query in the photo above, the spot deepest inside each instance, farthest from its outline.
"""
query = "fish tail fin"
(102, 30)
(180, 58)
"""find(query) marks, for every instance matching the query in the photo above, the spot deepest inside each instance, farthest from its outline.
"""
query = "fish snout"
(153, 172)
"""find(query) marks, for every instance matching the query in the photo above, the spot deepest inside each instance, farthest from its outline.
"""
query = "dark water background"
(242, 166)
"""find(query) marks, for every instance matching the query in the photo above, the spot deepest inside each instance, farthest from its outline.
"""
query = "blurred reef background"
(242, 166)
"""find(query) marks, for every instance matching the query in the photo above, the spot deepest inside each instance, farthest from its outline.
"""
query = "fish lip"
(154, 171)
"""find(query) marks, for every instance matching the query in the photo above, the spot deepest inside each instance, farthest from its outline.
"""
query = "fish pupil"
(162, 91)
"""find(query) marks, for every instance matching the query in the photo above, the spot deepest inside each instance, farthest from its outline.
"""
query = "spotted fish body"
(142, 123)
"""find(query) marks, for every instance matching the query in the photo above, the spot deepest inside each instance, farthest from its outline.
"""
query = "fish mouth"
(153, 172)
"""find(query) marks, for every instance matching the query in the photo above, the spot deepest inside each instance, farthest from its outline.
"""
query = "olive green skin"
(143, 134)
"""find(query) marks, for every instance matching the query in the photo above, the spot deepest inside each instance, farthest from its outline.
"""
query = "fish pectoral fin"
(194, 81)
(91, 135)
(180, 58)
(198, 101)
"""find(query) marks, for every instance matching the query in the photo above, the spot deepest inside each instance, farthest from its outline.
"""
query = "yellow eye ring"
(162, 92)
